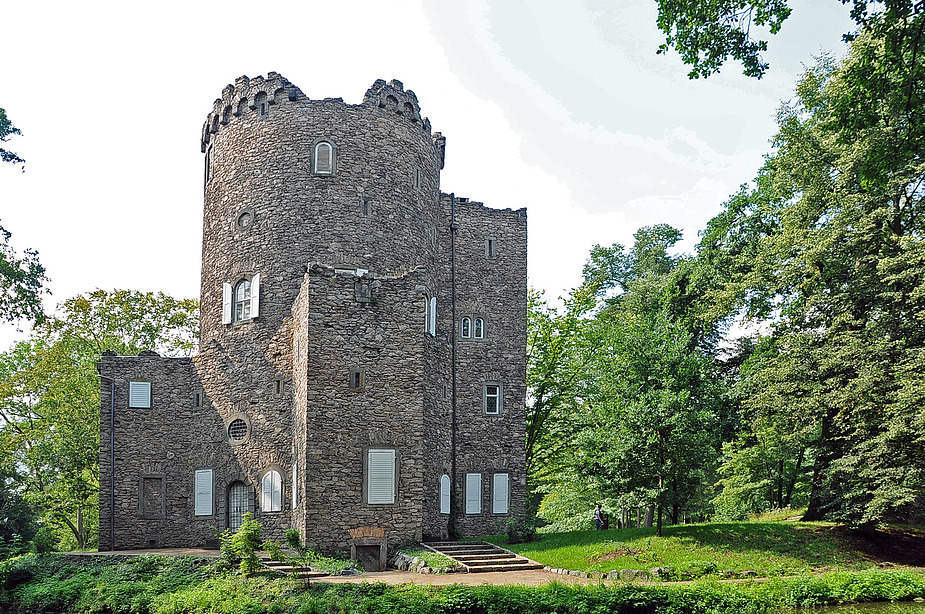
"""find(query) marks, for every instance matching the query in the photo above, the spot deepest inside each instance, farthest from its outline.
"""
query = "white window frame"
(478, 328)
(271, 491)
(249, 306)
(500, 493)
(331, 164)
(473, 493)
(203, 489)
(465, 327)
(444, 494)
(139, 395)
(381, 474)
(497, 394)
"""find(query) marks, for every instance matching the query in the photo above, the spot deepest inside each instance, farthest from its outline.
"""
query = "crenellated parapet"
(393, 97)
(247, 93)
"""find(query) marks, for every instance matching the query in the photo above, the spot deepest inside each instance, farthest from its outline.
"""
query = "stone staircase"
(478, 557)
(302, 573)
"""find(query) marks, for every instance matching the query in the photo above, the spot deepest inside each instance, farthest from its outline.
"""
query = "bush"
(239, 548)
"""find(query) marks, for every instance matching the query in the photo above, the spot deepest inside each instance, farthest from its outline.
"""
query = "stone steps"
(482, 557)
(303, 573)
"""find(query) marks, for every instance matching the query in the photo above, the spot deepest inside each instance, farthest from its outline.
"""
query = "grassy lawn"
(705, 550)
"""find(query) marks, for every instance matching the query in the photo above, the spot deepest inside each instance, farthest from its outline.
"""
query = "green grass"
(767, 548)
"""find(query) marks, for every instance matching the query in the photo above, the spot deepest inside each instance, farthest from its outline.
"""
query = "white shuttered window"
(227, 292)
(271, 492)
(380, 477)
(255, 295)
(499, 494)
(203, 498)
(444, 494)
(139, 394)
(295, 485)
(473, 493)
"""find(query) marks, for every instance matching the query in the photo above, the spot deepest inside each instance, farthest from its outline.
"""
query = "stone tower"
(345, 386)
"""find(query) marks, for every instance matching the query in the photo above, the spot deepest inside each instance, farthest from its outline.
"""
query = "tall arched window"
(323, 159)
(242, 300)
(465, 327)
(478, 330)
(271, 492)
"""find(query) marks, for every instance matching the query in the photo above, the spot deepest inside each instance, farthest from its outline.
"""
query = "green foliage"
(50, 399)
(241, 547)
(22, 281)
(160, 585)
(829, 244)
(707, 32)
(7, 129)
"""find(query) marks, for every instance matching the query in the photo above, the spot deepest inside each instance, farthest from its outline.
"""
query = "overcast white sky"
(561, 107)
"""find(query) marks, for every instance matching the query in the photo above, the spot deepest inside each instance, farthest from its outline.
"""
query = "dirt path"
(522, 578)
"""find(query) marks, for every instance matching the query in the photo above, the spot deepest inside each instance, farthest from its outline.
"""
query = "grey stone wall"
(381, 338)
(493, 287)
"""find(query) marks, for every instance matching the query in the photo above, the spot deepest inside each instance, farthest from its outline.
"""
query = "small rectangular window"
(491, 247)
(203, 496)
(473, 493)
(139, 394)
(357, 379)
(491, 399)
(417, 178)
(366, 206)
(278, 387)
(197, 400)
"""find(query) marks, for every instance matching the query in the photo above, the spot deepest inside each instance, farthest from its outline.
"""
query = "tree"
(21, 283)
(7, 129)
(50, 403)
(829, 244)
(707, 32)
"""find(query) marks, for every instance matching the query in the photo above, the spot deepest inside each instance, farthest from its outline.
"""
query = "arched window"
(271, 492)
(238, 504)
(479, 330)
(242, 300)
(465, 327)
(323, 159)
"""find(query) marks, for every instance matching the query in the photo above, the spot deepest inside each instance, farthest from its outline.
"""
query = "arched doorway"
(239, 503)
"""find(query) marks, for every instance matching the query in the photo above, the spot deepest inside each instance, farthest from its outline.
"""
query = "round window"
(237, 430)
(245, 220)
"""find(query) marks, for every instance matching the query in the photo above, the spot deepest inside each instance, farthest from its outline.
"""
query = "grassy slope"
(768, 548)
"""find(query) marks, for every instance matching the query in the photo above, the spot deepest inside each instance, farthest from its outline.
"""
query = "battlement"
(392, 96)
(247, 93)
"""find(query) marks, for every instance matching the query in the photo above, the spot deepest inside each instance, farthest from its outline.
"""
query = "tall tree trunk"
(794, 476)
(650, 516)
(780, 484)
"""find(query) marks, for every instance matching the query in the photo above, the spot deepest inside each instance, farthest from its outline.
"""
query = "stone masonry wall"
(381, 338)
(494, 287)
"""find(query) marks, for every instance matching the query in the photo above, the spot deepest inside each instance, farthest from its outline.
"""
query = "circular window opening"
(237, 430)
(245, 220)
